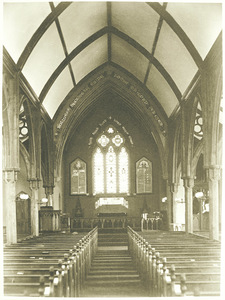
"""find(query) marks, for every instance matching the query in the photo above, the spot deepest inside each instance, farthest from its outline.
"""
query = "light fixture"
(24, 196)
(199, 194)
(164, 199)
(44, 200)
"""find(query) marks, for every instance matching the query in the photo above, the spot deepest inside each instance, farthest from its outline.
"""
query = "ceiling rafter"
(62, 39)
(179, 32)
(40, 32)
(93, 38)
(109, 21)
(68, 59)
(155, 43)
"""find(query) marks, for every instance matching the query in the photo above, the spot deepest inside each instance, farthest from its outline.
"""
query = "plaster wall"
(143, 145)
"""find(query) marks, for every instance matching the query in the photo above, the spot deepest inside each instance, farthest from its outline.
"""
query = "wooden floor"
(113, 274)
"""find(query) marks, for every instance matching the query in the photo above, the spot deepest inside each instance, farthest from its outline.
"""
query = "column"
(49, 192)
(173, 193)
(169, 205)
(10, 178)
(213, 180)
(188, 185)
(34, 186)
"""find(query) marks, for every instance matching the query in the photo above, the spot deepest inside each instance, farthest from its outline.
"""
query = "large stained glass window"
(144, 176)
(110, 164)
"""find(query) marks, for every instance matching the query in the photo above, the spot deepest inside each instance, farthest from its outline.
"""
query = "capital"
(34, 183)
(10, 175)
(174, 187)
(214, 173)
(48, 190)
(188, 182)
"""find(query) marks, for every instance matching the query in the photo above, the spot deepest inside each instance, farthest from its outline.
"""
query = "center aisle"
(112, 272)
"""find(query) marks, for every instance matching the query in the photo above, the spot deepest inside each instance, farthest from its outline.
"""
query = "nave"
(112, 117)
(120, 264)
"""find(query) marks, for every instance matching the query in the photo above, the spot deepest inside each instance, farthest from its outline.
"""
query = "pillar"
(173, 193)
(10, 178)
(213, 181)
(169, 205)
(49, 192)
(188, 186)
(10, 142)
(34, 186)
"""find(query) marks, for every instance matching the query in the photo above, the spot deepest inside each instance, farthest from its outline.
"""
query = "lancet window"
(110, 164)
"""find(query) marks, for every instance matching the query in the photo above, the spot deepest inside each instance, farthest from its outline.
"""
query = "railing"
(151, 223)
(68, 279)
(158, 279)
(105, 222)
(177, 227)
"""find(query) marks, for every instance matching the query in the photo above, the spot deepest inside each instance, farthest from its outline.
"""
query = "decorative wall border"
(111, 121)
(143, 99)
(128, 85)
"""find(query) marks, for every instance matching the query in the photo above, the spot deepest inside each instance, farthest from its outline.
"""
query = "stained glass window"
(123, 171)
(198, 128)
(117, 140)
(110, 171)
(144, 176)
(110, 130)
(103, 140)
(98, 172)
(110, 164)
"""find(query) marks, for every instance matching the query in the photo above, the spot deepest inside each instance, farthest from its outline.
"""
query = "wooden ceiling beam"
(179, 32)
(94, 37)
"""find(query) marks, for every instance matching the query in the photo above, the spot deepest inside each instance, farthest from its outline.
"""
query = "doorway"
(23, 217)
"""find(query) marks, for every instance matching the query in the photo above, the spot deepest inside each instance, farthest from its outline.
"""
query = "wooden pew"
(61, 277)
(201, 257)
(159, 272)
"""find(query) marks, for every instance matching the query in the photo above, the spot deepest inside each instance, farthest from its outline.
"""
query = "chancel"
(112, 149)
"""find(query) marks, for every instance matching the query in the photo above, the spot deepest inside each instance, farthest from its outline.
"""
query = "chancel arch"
(79, 102)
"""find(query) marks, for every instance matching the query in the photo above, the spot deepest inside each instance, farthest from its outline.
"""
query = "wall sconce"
(164, 199)
(44, 201)
(203, 196)
(199, 195)
(24, 196)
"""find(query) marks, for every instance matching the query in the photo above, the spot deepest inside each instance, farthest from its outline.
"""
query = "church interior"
(112, 136)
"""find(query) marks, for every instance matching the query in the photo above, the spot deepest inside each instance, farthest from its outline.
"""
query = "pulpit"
(49, 219)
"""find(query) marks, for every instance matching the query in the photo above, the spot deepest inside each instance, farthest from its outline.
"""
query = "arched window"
(110, 164)
(98, 172)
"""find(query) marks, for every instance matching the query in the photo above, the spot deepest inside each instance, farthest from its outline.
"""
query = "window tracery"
(110, 164)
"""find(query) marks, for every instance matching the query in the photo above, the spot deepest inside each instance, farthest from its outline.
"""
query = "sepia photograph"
(112, 149)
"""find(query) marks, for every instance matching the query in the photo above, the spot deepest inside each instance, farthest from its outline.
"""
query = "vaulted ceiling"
(163, 45)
